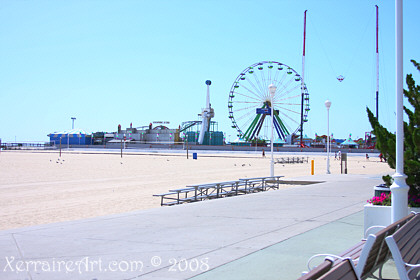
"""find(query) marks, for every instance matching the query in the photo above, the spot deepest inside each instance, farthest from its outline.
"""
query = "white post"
(377, 62)
(399, 188)
(272, 89)
(328, 105)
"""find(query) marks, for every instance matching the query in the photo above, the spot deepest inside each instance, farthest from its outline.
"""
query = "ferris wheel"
(250, 101)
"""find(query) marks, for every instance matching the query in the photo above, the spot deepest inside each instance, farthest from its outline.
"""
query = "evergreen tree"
(385, 140)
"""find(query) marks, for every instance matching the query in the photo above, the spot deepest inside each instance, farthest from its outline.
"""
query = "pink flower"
(383, 199)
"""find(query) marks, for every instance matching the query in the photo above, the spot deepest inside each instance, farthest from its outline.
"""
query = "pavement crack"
(20, 253)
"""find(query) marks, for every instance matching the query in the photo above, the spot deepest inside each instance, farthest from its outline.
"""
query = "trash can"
(194, 155)
(382, 188)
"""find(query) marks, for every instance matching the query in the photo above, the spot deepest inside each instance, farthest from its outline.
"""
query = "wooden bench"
(318, 271)
(369, 254)
(345, 270)
(375, 252)
(404, 245)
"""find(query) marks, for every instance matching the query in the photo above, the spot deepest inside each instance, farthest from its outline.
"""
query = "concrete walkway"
(219, 239)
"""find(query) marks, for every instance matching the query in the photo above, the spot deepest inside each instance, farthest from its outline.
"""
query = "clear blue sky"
(116, 62)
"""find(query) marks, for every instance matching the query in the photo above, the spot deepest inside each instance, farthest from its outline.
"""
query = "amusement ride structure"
(203, 131)
(206, 115)
(250, 102)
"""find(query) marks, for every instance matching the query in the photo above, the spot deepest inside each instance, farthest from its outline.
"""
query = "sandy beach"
(40, 188)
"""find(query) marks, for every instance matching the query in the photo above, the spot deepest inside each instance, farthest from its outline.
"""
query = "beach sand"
(40, 188)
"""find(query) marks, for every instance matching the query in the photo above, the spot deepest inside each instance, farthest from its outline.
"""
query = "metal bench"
(259, 184)
(284, 160)
(252, 185)
(201, 192)
(215, 190)
(404, 245)
(167, 196)
(174, 196)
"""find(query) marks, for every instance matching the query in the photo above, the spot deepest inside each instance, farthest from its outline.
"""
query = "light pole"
(72, 124)
(399, 188)
(328, 105)
(68, 133)
(272, 89)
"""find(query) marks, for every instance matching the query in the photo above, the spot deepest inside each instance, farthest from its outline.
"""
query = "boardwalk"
(206, 236)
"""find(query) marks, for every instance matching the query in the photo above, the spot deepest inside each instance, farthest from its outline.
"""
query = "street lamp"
(272, 89)
(72, 124)
(68, 133)
(328, 105)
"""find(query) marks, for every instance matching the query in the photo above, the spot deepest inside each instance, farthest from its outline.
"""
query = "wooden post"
(60, 146)
(312, 167)
(121, 147)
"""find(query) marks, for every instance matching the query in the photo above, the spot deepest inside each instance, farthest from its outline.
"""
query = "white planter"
(375, 215)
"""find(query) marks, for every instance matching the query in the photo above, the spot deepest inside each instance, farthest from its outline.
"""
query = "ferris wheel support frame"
(258, 121)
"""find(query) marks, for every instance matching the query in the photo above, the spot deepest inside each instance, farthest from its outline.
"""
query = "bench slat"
(170, 203)
(407, 238)
(399, 247)
(380, 253)
(344, 271)
(164, 194)
(372, 253)
(318, 271)
(355, 251)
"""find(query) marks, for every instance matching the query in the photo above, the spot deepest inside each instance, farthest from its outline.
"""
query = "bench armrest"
(412, 266)
(330, 257)
(372, 228)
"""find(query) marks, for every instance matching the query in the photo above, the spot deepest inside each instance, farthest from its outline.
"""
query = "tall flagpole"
(377, 63)
(399, 188)
(303, 79)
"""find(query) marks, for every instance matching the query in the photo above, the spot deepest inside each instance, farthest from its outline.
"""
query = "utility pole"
(303, 80)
